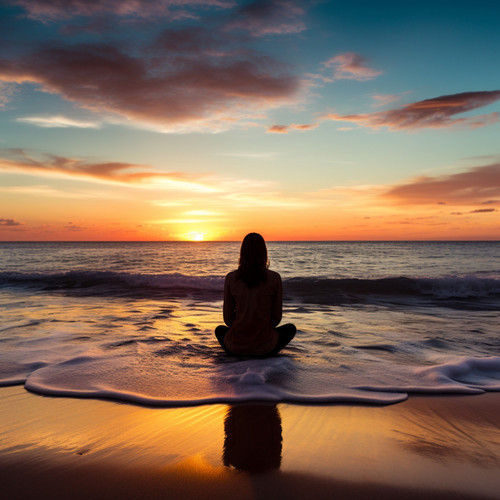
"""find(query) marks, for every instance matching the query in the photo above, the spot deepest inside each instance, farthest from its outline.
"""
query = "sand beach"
(426, 447)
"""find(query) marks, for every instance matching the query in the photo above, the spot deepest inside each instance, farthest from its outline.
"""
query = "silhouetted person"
(252, 439)
(253, 297)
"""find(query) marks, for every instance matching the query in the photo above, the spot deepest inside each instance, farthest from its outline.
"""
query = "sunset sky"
(190, 119)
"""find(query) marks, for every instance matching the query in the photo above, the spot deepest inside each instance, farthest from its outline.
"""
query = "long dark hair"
(253, 260)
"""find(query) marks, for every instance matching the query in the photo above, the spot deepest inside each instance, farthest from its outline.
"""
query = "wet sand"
(426, 447)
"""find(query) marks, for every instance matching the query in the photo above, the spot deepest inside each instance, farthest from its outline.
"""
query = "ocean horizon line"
(268, 240)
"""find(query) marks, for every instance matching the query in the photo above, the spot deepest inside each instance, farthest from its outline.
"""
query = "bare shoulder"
(273, 276)
(231, 276)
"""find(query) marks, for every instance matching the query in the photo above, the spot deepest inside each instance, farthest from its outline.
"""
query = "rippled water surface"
(135, 321)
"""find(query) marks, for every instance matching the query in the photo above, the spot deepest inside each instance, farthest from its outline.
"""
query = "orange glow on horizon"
(340, 214)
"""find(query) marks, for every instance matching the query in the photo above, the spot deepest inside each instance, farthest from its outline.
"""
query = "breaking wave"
(442, 291)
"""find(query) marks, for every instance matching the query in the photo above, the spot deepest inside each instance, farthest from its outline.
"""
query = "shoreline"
(425, 447)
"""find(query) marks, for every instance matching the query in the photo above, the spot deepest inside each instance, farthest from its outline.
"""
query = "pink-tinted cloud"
(476, 186)
(9, 223)
(278, 129)
(113, 172)
(350, 66)
(304, 126)
(165, 89)
(64, 9)
(384, 99)
(439, 112)
(268, 17)
(284, 129)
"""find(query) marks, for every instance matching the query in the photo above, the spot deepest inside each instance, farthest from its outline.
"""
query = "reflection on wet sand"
(444, 448)
(253, 440)
(452, 433)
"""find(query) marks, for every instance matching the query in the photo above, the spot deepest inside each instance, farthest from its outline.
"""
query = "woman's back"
(252, 313)
(253, 298)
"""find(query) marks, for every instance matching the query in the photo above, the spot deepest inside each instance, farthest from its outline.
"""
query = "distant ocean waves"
(118, 284)
(465, 292)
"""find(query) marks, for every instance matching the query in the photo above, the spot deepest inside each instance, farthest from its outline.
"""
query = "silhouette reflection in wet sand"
(253, 440)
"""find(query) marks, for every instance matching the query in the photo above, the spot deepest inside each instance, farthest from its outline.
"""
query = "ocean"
(134, 321)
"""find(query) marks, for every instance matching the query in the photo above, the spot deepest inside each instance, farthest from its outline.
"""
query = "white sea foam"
(141, 380)
(477, 373)
(459, 375)
(239, 381)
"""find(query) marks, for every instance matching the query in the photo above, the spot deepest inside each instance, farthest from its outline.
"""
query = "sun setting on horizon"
(195, 236)
(182, 121)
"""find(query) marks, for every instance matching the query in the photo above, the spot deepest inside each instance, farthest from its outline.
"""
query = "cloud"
(53, 10)
(195, 41)
(284, 129)
(483, 210)
(57, 121)
(268, 17)
(476, 186)
(168, 89)
(183, 190)
(50, 192)
(108, 172)
(304, 126)
(74, 228)
(384, 99)
(350, 66)
(438, 112)
(266, 200)
(7, 91)
(258, 17)
(478, 211)
(9, 223)
(278, 129)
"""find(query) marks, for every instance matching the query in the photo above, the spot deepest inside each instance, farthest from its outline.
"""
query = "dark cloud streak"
(9, 223)
(483, 210)
(439, 112)
(53, 10)
(268, 17)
